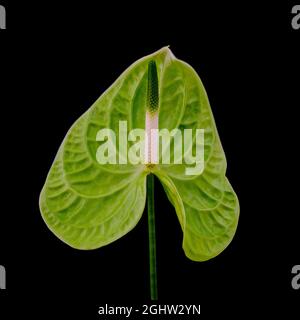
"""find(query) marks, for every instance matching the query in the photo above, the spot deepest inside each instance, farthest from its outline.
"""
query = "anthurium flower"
(88, 204)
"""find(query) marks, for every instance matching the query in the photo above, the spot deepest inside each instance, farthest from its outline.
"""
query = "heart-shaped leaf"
(88, 204)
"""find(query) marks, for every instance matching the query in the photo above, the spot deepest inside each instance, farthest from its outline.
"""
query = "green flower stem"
(152, 237)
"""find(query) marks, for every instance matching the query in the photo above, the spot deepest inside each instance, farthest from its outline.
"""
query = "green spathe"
(89, 205)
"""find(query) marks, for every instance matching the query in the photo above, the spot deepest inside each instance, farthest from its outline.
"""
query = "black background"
(55, 62)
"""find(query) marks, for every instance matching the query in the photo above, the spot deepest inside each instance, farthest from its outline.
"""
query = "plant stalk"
(152, 237)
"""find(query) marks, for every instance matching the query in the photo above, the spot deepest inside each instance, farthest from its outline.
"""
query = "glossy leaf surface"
(88, 205)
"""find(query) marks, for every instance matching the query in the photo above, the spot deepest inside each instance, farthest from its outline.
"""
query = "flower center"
(151, 125)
